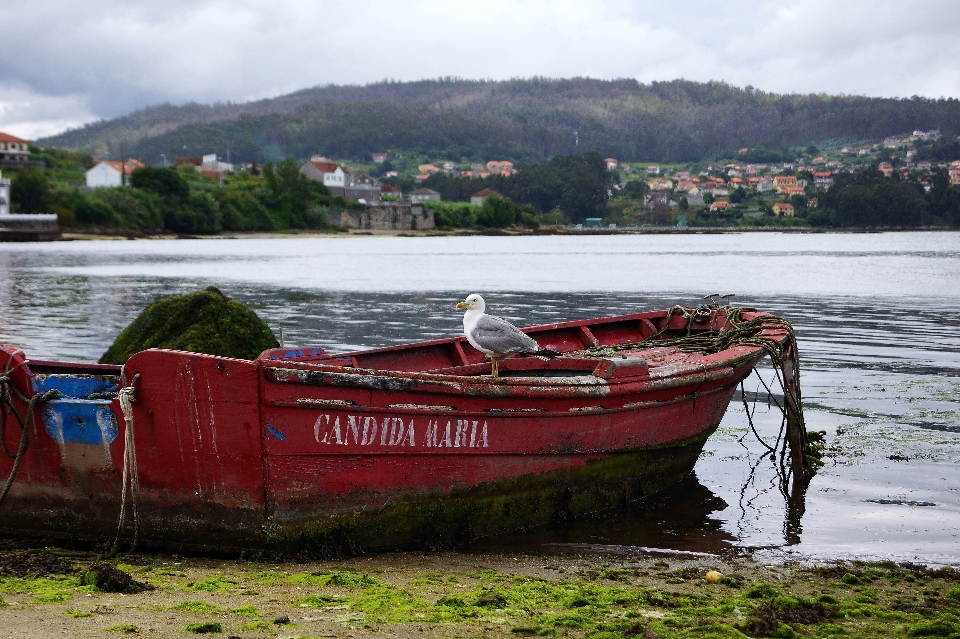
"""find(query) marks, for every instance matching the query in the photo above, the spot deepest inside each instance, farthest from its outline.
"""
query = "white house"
(334, 176)
(4, 195)
(14, 149)
(108, 173)
(210, 164)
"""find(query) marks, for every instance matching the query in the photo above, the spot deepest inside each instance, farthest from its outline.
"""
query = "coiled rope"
(784, 355)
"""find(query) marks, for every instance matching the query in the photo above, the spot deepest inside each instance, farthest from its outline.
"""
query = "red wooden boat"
(412, 445)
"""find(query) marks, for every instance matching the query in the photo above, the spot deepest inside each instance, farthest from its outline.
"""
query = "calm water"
(878, 318)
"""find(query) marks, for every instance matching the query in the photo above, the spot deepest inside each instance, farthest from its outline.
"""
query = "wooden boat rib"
(411, 445)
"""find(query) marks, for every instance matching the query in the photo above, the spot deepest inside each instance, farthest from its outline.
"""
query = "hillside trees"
(522, 120)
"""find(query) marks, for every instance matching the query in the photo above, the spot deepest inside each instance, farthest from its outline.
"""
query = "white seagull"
(495, 337)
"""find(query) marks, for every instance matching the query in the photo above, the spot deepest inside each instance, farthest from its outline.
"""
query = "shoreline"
(484, 594)
(71, 236)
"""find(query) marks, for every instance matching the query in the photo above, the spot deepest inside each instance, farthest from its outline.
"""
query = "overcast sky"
(67, 63)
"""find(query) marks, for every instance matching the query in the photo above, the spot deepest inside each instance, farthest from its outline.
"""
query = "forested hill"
(520, 120)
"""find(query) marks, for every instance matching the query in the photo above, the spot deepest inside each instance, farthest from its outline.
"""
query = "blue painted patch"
(78, 386)
(80, 421)
(300, 352)
(276, 433)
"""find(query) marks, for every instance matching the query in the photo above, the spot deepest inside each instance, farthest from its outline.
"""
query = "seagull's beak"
(462, 305)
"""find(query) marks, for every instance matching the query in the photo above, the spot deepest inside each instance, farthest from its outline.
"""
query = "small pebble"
(713, 577)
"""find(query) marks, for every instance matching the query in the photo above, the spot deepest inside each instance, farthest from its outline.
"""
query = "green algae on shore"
(472, 595)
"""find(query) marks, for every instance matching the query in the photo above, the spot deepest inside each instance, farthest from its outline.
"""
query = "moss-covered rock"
(203, 322)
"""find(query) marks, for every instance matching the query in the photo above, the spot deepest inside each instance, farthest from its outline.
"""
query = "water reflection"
(681, 519)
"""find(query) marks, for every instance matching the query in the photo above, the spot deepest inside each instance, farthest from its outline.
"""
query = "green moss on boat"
(203, 322)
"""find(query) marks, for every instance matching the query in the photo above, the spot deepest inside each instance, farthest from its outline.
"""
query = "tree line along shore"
(562, 193)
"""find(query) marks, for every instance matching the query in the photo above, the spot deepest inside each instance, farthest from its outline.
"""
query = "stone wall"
(386, 217)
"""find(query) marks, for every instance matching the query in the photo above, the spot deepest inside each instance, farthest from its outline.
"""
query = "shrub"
(452, 215)
(529, 217)
(30, 191)
(243, 211)
(132, 208)
(316, 217)
(94, 212)
(199, 213)
(497, 213)
(161, 181)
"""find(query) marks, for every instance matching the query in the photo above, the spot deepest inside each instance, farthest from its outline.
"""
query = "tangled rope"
(25, 421)
(806, 448)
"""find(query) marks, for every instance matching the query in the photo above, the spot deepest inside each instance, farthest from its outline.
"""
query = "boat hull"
(235, 455)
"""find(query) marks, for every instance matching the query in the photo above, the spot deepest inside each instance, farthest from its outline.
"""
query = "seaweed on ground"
(34, 562)
(107, 578)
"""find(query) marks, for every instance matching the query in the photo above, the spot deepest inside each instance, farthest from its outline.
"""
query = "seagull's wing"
(501, 337)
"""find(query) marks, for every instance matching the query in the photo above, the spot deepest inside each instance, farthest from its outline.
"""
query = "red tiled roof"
(128, 166)
(326, 167)
(6, 137)
(486, 193)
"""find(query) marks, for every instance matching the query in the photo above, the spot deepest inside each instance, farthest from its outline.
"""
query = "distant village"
(650, 193)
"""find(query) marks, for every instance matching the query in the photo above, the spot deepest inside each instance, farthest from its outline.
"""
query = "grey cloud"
(115, 57)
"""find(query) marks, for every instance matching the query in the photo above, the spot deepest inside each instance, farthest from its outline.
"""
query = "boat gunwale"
(731, 361)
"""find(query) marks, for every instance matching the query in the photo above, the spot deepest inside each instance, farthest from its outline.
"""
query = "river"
(877, 316)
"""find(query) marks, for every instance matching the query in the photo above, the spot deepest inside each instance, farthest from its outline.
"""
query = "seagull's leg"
(494, 367)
